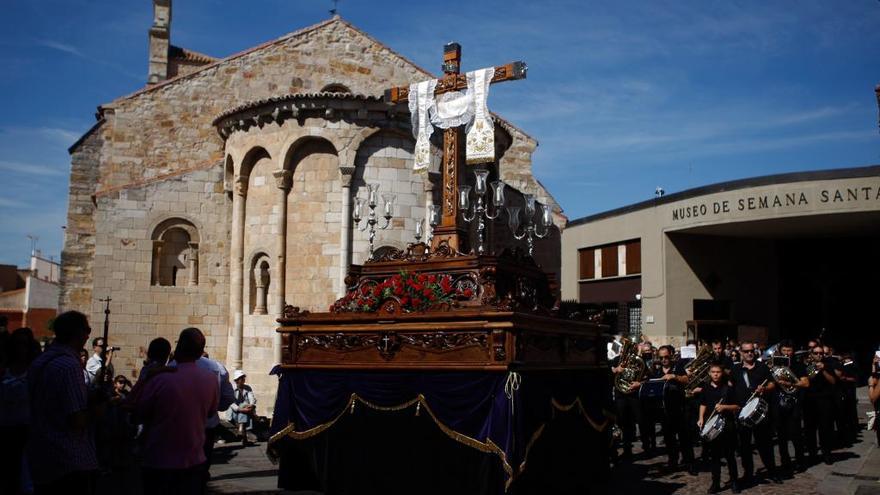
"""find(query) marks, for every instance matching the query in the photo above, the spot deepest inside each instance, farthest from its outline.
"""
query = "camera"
(114, 348)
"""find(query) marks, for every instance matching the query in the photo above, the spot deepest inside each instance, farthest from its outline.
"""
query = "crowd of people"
(734, 399)
(67, 418)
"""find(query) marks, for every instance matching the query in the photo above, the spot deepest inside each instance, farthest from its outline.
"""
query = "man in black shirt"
(790, 411)
(720, 356)
(629, 411)
(819, 405)
(848, 376)
(672, 413)
(753, 377)
(717, 397)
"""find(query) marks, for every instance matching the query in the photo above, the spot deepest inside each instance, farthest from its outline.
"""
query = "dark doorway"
(830, 284)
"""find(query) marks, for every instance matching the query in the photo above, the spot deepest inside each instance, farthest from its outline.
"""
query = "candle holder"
(480, 209)
(372, 219)
(435, 214)
(530, 229)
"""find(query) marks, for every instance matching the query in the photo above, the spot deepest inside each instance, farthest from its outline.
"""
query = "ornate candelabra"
(372, 218)
(434, 217)
(480, 208)
(530, 230)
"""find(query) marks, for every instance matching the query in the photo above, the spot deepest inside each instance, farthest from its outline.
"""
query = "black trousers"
(628, 415)
(789, 429)
(651, 413)
(819, 418)
(674, 435)
(691, 433)
(723, 448)
(763, 439)
(75, 483)
(14, 440)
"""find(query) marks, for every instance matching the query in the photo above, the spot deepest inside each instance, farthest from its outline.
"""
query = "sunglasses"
(818, 353)
(748, 351)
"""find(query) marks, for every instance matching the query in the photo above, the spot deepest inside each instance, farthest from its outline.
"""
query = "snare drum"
(713, 428)
(753, 413)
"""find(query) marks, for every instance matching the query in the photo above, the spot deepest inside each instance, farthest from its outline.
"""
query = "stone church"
(222, 190)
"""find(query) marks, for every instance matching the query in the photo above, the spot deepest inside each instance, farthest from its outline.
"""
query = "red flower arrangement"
(414, 292)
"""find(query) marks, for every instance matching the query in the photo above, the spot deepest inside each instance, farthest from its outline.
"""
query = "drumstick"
(756, 390)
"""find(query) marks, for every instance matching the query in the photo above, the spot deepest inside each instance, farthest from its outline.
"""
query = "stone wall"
(78, 255)
(123, 264)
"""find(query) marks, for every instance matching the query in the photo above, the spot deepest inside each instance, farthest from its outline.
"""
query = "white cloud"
(62, 47)
(33, 168)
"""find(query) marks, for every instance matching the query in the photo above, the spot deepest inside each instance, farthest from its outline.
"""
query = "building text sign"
(807, 199)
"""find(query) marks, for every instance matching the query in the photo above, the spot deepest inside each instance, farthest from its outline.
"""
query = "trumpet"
(698, 370)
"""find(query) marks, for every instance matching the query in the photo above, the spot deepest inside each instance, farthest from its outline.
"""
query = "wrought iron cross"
(451, 228)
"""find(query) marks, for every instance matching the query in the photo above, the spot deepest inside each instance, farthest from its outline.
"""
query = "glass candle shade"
(358, 209)
(419, 223)
(434, 215)
(374, 192)
(464, 197)
(513, 218)
(530, 205)
(480, 184)
(497, 193)
(389, 203)
(546, 216)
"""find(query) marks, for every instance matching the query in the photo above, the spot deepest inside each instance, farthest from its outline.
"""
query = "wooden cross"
(452, 228)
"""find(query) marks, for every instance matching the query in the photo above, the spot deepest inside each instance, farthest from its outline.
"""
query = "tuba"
(698, 370)
(633, 367)
(783, 372)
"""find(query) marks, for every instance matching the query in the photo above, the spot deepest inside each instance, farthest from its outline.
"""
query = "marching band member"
(789, 416)
(718, 397)
(629, 411)
(721, 356)
(819, 405)
(672, 415)
(649, 410)
(754, 377)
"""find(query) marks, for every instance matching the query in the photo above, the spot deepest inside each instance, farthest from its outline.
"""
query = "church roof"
(294, 97)
(188, 55)
(286, 37)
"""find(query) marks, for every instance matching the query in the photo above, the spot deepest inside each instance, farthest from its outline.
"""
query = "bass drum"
(653, 393)
(753, 413)
(713, 428)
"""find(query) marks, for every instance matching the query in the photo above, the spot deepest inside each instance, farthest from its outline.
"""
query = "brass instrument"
(812, 369)
(698, 370)
(783, 372)
(633, 367)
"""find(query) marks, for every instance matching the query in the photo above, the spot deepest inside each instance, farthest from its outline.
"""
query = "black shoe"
(801, 467)
(714, 488)
(746, 481)
(776, 479)
(734, 487)
(692, 469)
(827, 459)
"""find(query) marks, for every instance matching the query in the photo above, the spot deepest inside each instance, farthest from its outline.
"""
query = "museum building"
(765, 258)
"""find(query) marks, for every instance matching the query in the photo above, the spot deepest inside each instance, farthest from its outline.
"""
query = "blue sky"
(623, 96)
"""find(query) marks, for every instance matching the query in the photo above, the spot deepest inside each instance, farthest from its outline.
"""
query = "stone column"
(260, 286)
(157, 262)
(346, 174)
(236, 275)
(283, 181)
(193, 263)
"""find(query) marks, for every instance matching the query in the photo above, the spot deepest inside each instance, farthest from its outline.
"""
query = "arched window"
(335, 88)
(175, 253)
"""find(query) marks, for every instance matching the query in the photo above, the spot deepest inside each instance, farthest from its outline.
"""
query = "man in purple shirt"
(61, 447)
(174, 408)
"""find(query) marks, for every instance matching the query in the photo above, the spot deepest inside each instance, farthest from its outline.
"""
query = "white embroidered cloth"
(421, 101)
(480, 143)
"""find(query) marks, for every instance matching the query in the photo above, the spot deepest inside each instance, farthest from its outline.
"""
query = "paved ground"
(856, 471)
